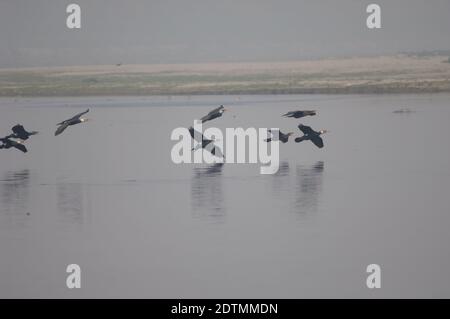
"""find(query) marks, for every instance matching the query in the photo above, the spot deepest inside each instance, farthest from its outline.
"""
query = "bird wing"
(317, 140)
(299, 139)
(207, 117)
(79, 115)
(216, 110)
(76, 117)
(195, 136)
(306, 129)
(61, 128)
(212, 115)
(19, 146)
(214, 150)
(19, 130)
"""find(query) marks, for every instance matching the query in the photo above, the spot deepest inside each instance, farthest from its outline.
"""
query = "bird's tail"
(34, 132)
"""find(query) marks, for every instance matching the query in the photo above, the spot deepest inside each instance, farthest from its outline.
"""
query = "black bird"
(204, 142)
(72, 121)
(7, 143)
(299, 114)
(311, 135)
(281, 136)
(217, 112)
(20, 132)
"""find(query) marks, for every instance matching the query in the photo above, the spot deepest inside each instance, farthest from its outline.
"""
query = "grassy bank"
(389, 74)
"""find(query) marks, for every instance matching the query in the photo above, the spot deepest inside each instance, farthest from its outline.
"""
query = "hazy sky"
(34, 32)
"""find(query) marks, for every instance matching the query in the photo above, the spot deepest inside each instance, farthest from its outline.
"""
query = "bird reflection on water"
(302, 189)
(280, 181)
(207, 193)
(14, 189)
(308, 187)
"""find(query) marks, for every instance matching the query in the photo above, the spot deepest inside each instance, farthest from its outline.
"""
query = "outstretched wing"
(19, 130)
(306, 129)
(76, 117)
(212, 114)
(289, 114)
(19, 146)
(214, 150)
(207, 117)
(196, 135)
(61, 128)
(310, 112)
(216, 110)
(79, 115)
(317, 140)
(299, 139)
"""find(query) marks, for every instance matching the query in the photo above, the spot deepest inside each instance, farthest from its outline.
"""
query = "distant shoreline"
(373, 75)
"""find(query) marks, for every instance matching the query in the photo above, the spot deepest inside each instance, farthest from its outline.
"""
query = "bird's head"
(323, 131)
(84, 120)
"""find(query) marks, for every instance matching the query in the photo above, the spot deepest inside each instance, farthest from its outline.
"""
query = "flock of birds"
(308, 133)
(20, 134)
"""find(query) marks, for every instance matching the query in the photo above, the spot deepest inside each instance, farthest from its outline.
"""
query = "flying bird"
(20, 132)
(72, 121)
(311, 135)
(281, 137)
(205, 143)
(7, 143)
(217, 112)
(299, 114)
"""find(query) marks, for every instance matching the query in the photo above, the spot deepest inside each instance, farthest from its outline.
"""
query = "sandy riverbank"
(387, 74)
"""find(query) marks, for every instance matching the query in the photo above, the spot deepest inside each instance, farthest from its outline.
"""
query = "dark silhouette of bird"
(217, 112)
(20, 132)
(311, 135)
(7, 143)
(205, 143)
(299, 114)
(281, 137)
(72, 121)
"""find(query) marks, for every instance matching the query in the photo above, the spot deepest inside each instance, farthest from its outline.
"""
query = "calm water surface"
(106, 195)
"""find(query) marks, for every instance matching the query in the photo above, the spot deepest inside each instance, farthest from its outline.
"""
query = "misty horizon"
(34, 34)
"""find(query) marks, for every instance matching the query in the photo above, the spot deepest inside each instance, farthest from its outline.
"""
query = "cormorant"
(281, 136)
(299, 114)
(72, 121)
(7, 143)
(311, 135)
(204, 142)
(20, 132)
(217, 112)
